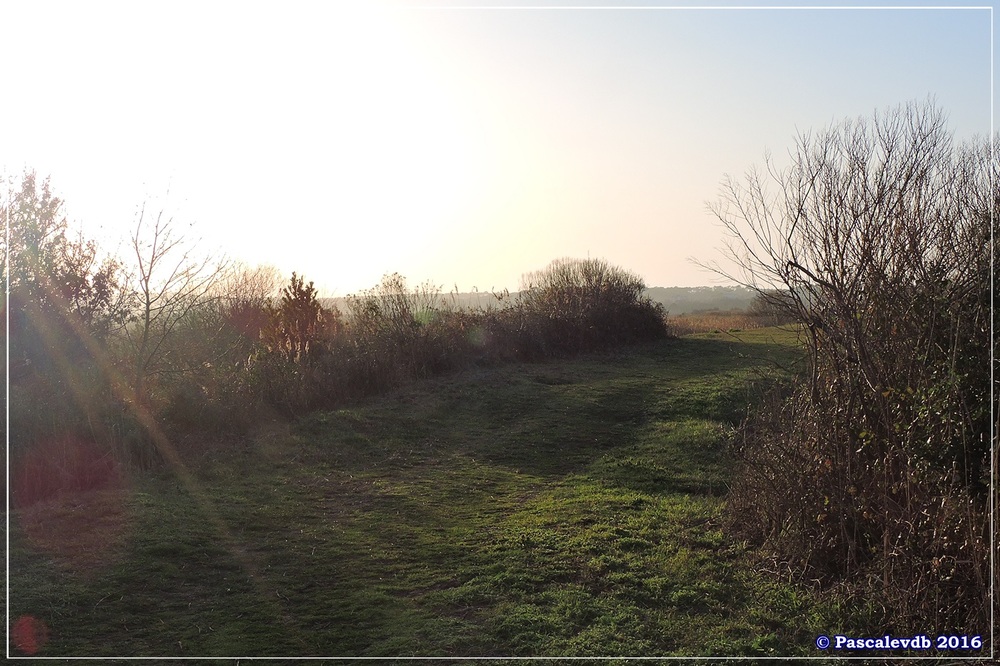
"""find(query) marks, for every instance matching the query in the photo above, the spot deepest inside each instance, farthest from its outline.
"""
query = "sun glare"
(383, 145)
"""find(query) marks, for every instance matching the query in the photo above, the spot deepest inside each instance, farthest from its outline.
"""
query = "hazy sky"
(453, 144)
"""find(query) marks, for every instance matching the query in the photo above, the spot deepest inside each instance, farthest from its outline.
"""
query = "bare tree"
(172, 283)
(876, 238)
(245, 295)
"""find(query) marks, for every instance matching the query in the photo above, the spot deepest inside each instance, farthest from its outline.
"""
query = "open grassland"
(566, 508)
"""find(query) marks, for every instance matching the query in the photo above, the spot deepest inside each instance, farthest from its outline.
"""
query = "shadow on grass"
(550, 419)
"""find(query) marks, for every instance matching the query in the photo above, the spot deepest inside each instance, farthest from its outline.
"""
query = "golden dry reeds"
(711, 322)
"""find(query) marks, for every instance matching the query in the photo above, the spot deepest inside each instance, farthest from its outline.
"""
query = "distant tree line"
(683, 300)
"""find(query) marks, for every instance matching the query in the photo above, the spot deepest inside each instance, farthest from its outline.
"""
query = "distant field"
(555, 509)
(719, 322)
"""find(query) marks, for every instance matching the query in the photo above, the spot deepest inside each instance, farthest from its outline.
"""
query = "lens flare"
(69, 501)
(29, 634)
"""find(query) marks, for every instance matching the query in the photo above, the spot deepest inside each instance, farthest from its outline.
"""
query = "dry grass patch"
(710, 322)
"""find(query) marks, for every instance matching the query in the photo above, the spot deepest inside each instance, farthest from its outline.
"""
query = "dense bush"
(398, 332)
(576, 305)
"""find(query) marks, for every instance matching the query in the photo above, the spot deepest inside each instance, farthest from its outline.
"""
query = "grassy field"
(566, 508)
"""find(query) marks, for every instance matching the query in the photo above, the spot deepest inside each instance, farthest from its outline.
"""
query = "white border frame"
(993, 458)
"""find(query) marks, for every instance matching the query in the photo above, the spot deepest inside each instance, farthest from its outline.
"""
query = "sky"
(455, 144)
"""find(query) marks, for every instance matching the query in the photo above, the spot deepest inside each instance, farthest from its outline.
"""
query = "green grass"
(567, 508)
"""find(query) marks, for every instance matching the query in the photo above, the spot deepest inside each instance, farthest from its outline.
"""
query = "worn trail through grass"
(567, 508)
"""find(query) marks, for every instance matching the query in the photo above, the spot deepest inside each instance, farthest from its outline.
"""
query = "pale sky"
(464, 146)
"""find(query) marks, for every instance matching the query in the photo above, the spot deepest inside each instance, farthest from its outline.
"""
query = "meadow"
(563, 508)
(203, 462)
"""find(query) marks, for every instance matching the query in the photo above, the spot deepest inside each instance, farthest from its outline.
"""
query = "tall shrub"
(580, 304)
(287, 370)
(876, 469)
(64, 303)
(398, 333)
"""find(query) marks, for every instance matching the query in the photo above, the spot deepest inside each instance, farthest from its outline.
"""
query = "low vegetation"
(573, 507)
(180, 345)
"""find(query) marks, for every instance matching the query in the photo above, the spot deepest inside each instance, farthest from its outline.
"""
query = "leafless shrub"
(580, 304)
(174, 287)
(877, 468)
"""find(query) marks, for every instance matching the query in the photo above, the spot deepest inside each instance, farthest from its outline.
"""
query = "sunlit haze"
(458, 145)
